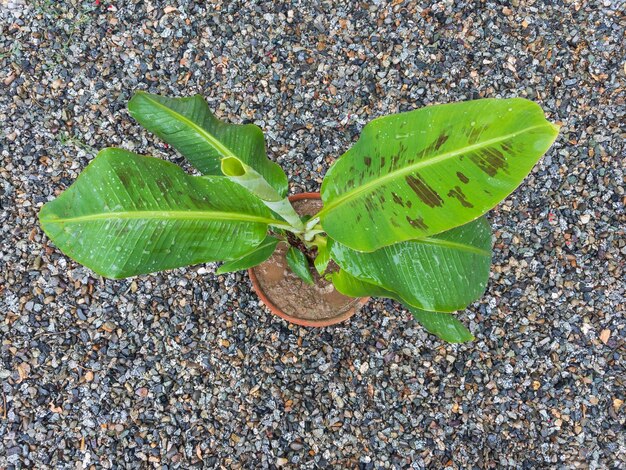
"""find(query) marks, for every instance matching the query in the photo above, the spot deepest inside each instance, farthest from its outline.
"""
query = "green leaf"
(299, 264)
(351, 286)
(444, 325)
(190, 127)
(444, 273)
(127, 214)
(415, 174)
(253, 258)
(324, 248)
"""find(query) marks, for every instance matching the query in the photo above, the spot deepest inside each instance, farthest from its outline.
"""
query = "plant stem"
(247, 177)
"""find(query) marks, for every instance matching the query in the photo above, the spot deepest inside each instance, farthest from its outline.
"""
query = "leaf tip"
(556, 128)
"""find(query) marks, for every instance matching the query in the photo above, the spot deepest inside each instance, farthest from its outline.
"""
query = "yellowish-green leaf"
(416, 174)
(324, 248)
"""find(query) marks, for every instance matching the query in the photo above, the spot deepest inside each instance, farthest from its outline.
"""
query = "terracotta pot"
(258, 276)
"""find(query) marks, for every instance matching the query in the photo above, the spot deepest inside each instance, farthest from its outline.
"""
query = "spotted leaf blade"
(443, 273)
(419, 173)
(127, 214)
(191, 128)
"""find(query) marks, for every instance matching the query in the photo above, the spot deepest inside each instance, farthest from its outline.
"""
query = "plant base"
(288, 297)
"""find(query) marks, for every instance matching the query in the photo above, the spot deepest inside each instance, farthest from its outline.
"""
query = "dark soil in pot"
(291, 298)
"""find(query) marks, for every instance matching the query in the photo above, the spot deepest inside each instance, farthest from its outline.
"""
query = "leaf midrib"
(216, 144)
(164, 215)
(371, 185)
(451, 245)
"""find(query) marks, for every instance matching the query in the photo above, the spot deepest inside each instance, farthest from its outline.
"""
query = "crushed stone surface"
(185, 369)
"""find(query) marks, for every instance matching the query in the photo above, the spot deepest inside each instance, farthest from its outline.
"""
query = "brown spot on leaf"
(382, 161)
(418, 222)
(199, 201)
(367, 161)
(427, 194)
(440, 141)
(409, 204)
(397, 199)
(164, 185)
(489, 160)
(506, 146)
(369, 205)
(125, 179)
(495, 158)
(462, 177)
(457, 193)
(475, 133)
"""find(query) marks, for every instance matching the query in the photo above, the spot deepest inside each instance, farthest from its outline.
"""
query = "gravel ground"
(185, 369)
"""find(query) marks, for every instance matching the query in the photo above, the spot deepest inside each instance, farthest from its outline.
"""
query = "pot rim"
(290, 318)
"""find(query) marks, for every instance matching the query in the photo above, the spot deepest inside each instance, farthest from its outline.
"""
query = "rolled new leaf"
(191, 128)
(250, 179)
(443, 325)
(442, 273)
(415, 174)
(127, 214)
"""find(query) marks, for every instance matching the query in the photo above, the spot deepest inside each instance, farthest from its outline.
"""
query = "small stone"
(605, 335)
(8, 80)
(23, 370)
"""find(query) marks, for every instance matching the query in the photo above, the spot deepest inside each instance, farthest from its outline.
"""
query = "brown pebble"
(10, 79)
